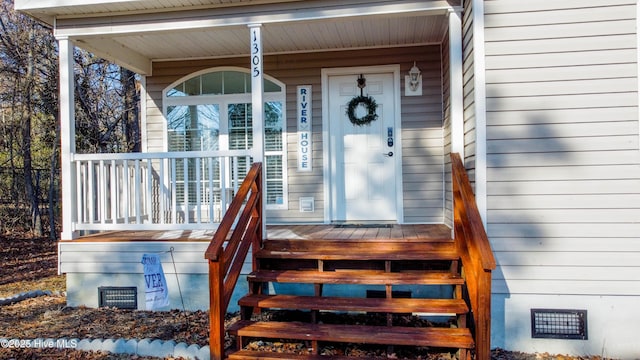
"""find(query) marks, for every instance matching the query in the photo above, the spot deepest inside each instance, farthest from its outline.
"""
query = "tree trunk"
(130, 116)
(31, 193)
(53, 172)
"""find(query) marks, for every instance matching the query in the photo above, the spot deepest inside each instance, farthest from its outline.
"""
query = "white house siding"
(563, 169)
(422, 131)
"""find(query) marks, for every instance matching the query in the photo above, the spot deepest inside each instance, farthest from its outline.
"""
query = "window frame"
(223, 100)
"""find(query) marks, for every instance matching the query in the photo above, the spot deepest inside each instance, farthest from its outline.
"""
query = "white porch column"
(67, 139)
(257, 105)
(257, 92)
(455, 85)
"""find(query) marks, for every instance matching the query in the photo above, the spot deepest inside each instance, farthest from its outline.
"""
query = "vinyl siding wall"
(422, 131)
(562, 150)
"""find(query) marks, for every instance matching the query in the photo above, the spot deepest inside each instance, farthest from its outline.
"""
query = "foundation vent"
(559, 324)
(118, 297)
(307, 204)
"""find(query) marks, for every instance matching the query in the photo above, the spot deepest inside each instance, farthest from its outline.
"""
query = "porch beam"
(124, 56)
(67, 138)
(456, 83)
(208, 18)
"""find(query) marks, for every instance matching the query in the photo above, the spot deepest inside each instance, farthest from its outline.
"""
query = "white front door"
(363, 158)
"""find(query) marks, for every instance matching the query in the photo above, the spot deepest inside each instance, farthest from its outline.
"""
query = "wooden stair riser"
(448, 253)
(397, 306)
(333, 265)
(355, 277)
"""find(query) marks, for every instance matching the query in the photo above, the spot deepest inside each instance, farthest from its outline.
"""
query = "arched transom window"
(212, 111)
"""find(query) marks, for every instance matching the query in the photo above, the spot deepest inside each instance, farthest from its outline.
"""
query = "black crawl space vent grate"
(559, 324)
(118, 297)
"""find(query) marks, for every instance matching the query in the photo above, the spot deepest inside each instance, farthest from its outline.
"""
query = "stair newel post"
(216, 308)
(483, 331)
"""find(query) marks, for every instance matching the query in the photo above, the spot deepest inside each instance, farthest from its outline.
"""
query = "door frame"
(329, 168)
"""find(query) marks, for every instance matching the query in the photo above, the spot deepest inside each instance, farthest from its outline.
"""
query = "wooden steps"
(360, 334)
(392, 263)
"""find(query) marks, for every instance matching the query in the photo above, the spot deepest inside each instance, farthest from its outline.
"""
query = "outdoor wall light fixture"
(413, 82)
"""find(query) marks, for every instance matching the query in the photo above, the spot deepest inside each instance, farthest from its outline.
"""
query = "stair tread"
(358, 250)
(365, 334)
(263, 355)
(395, 305)
(371, 277)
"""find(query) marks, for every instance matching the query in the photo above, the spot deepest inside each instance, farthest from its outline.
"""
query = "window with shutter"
(211, 110)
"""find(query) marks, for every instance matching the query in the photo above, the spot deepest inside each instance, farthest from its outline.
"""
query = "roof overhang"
(136, 33)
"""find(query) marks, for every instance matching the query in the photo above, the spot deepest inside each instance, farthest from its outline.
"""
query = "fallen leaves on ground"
(49, 317)
(27, 258)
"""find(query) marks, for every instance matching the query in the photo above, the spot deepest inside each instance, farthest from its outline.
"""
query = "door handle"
(389, 154)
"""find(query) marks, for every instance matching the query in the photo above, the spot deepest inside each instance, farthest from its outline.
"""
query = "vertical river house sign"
(304, 128)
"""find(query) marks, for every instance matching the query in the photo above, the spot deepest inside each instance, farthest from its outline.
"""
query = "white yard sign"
(155, 284)
(304, 128)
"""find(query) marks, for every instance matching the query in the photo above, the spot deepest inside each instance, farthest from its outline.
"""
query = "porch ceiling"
(136, 33)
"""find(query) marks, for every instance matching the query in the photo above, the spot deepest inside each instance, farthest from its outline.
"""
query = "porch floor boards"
(396, 232)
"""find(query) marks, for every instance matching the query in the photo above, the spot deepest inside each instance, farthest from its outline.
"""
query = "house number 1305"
(255, 54)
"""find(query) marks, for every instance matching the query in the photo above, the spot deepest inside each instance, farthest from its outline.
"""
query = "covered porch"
(313, 46)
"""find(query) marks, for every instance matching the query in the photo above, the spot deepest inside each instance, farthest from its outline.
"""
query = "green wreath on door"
(370, 106)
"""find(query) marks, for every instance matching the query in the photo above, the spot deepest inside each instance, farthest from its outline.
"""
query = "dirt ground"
(30, 264)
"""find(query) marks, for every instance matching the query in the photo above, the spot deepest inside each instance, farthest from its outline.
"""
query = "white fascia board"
(265, 14)
(51, 4)
(48, 10)
(111, 50)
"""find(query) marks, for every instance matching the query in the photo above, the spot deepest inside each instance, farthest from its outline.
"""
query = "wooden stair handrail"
(475, 252)
(225, 263)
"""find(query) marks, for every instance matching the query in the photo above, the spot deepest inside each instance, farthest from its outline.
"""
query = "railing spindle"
(162, 193)
(174, 192)
(136, 189)
(185, 171)
(91, 193)
(212, 192)
(125, 191)
(198, 179)
(114, 192)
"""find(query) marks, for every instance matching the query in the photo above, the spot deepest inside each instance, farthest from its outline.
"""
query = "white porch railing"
(156, 191)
